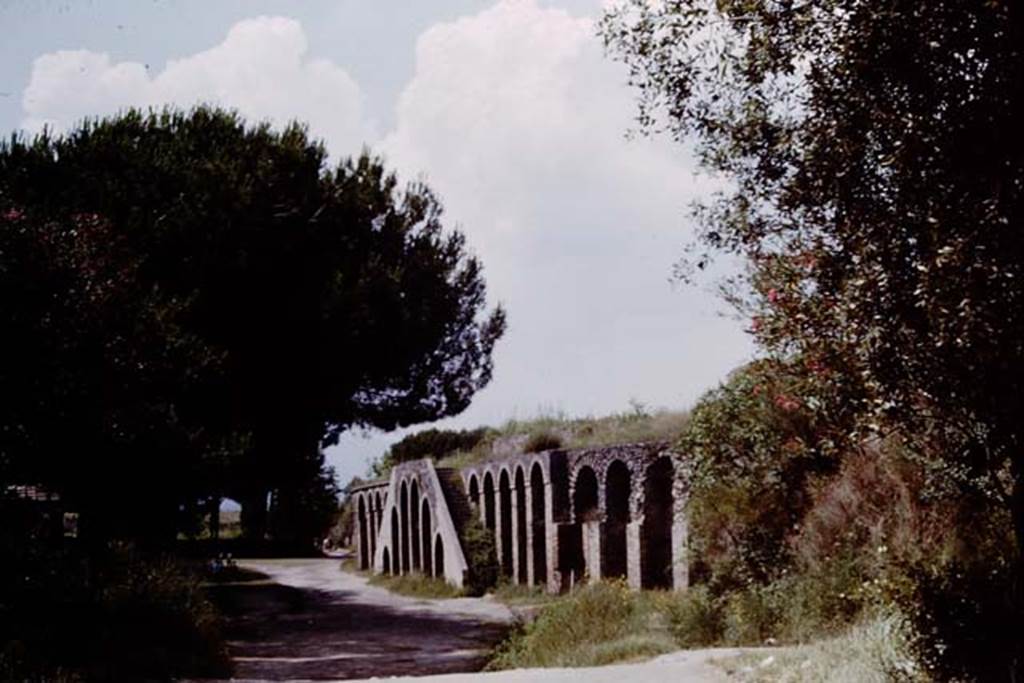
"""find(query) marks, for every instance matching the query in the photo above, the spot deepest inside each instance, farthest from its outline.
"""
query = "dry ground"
(311, 621)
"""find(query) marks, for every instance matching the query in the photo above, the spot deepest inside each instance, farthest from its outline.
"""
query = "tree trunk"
(254, 515)
(215, 518)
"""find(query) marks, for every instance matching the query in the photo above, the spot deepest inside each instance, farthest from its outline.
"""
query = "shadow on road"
(279, 632)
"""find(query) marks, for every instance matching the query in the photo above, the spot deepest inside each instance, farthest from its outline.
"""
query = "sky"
(508, 109)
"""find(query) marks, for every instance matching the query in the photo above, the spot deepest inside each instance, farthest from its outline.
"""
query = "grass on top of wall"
(635, 426)
(595, 625)
(416, 585)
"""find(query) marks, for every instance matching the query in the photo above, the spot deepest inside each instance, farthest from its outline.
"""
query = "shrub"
(963, 625)
(116, 616)
(481, 556)
(542, 441)
(596, 625)
(417, 585)
(696, 618)
(751, 616)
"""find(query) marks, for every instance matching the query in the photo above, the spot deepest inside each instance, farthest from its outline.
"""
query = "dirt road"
(310, 620)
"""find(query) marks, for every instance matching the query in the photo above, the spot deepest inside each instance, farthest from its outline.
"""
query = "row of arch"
(594, 541)
(648, 506)
(412, 543)
(516, 510)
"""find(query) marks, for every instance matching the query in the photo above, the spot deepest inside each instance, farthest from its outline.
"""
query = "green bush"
(114, 616)
(696, 618)
(751, 616)
(596, 625)
(481, 556)
(963, 625)
(542, 441)
(416, 585)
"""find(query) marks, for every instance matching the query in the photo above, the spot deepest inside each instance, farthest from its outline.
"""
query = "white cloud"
(517, 118)
(261, 69)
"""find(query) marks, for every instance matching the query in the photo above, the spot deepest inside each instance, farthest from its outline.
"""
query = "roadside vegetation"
(595, 625)
(417, 585)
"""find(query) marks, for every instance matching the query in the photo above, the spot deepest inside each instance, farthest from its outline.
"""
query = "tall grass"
(596, 625)
(872, 651)
(557, 430)
(416, 585)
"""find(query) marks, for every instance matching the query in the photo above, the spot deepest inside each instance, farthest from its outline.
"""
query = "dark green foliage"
(877, 197)
(300, 517)
(696, 618)
(542, 441)
(205, 304)
(753, 443)
(436, 443)
(963, 626)
(481, 556)
(114, 616)
(430, 443)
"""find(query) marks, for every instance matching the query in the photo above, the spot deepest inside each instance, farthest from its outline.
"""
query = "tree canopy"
(876, 180)
(188, 275)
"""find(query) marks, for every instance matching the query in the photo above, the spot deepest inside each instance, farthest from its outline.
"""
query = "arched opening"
(656, 533)
(474, 492)
(489, 501)
(395, 569)
(505, 510)
(371, 526)
(584, 500)
(379, 507)
(414, 524)
(585, 511)
(387, 561)
(521, 531)
(364, 537)
(403, 551)
(439, 557)
(616, 501)
(540, 546)
(425, 525)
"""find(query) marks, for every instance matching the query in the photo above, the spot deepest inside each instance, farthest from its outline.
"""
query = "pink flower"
(773, 295)
(13, 214)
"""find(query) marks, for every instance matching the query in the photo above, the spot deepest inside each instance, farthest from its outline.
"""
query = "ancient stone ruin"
(559, 517)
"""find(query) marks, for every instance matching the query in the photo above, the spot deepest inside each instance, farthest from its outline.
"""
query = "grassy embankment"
(607, 623)
(559, 431)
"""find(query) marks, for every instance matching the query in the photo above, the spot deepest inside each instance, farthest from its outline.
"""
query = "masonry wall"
(560, 518)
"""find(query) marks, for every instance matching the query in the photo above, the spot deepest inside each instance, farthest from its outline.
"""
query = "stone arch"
(425, 523)
(414, 523)
(617, 489)
(489, 501)
(371, 526)
(585, 512)
(379, 508)
(585, 496)
(403, 498)
(656, 531)
(539, 530)
(522, 533)
(439, 557)
(364, 537)
(505, 513)
(474, 491)
(395, 568)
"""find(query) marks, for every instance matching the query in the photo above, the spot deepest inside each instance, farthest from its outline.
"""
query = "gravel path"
(310, 620)
(686, 666)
